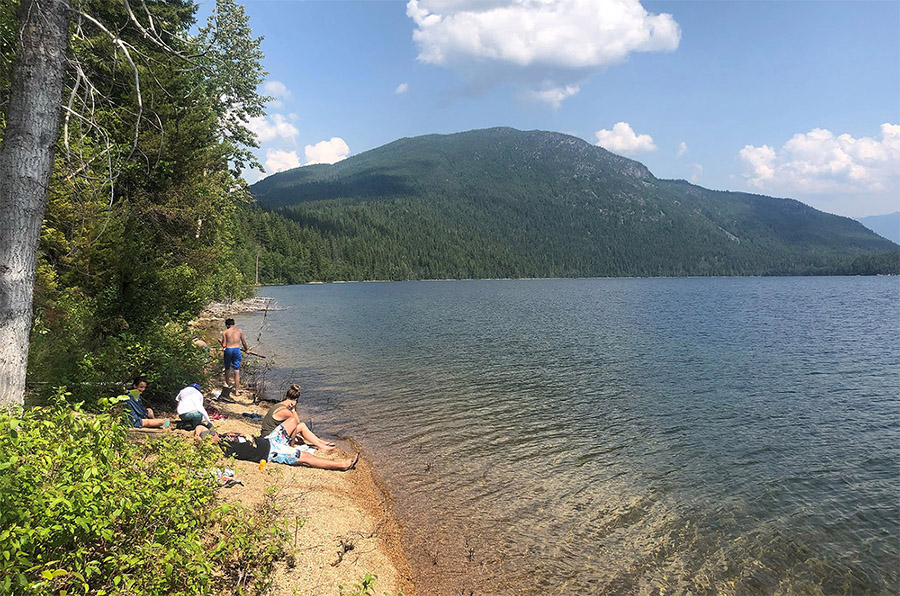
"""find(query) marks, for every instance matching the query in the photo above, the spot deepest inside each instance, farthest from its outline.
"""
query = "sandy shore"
(340, 524)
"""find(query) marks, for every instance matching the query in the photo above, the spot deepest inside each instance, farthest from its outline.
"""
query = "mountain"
(886, 226)
(506, 203)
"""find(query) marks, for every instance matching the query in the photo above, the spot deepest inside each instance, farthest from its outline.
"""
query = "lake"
(615, 436)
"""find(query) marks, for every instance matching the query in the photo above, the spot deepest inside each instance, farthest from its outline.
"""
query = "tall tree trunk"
(26, 161)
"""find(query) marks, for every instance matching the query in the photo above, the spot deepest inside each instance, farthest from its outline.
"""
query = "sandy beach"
(339, 524)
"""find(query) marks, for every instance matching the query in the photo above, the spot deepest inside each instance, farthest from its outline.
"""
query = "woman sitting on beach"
(274, 450)
(139, 415)
(284, 415)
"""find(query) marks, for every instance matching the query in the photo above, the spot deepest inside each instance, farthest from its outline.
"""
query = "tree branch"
(137, 75)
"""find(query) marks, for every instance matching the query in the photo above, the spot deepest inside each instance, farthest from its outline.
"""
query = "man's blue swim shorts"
(233, 358)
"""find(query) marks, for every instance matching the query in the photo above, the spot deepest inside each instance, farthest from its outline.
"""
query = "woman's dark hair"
(293, 392)
(138, 380)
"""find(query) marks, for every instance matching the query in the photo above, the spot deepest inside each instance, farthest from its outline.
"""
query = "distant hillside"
(506, 203)
(886, 226)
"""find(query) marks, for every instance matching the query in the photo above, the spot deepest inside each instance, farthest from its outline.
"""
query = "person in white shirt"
(190, 408)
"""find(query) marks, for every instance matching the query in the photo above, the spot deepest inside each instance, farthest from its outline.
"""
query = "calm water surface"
(616, 436)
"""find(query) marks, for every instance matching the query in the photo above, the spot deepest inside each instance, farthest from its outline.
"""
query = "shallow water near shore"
(728, 435)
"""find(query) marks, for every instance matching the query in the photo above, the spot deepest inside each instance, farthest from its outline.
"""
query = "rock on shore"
(223, 310)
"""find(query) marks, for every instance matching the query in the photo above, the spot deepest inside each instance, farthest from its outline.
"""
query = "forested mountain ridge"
(506, 203)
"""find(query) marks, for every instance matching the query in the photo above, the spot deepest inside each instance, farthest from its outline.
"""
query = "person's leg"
(314, 461)
(313, 440)
(290, 427)
(293, 428)
(150, 413)
(191, 420)
(236, 365)
(226, 361)
(154, 423)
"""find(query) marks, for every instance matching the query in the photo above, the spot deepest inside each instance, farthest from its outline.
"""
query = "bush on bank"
(84, 511)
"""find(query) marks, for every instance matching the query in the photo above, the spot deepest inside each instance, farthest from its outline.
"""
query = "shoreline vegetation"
(437, 279)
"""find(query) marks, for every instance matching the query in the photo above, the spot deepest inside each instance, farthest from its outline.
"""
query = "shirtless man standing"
(232, 339)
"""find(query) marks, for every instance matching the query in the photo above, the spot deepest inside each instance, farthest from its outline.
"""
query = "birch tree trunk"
(26, 161)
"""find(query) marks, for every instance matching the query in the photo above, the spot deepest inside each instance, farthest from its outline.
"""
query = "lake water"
(616, 436)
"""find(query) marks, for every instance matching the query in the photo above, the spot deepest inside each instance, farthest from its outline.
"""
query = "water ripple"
(705, 436)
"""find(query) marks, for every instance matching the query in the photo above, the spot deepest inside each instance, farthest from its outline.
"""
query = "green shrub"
(244, 559)
(365, 587)
(83, 511)
(163, 355)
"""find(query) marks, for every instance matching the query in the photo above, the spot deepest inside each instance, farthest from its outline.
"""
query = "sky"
(783, 98)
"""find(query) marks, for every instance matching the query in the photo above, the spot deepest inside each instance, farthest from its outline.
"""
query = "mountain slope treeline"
(506, 203)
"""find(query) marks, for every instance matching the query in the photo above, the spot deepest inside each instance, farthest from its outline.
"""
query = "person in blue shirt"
(139, 415)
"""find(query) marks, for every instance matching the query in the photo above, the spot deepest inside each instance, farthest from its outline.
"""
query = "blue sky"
(791, 99)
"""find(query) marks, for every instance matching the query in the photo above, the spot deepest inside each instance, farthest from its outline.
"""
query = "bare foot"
(326, 446)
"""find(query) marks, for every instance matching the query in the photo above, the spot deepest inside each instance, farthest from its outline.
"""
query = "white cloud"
(818, 162)
(269, 128)
(276, 89)
(682, 148)
(762, 161)
(622, 139)
(545, 44)
(555, 96)
(327, 151)
(401, 88)
(279, 161)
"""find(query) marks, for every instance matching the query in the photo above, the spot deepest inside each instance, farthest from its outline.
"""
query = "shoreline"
(423, 559)
(590, 277)
(340, 525)
(419, 565)
(217, 311)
